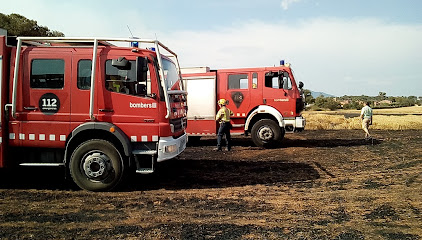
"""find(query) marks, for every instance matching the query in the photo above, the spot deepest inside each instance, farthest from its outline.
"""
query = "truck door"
(44, 115)
(130, 104)
(278, 92)
(237, 89)
(81, 85)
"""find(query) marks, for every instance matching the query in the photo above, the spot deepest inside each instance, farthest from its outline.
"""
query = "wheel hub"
(96, 165)
(265, 133)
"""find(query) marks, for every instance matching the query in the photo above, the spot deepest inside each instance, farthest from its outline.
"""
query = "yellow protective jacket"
(223, 115)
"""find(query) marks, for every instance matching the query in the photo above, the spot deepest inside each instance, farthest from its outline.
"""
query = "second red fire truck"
(266, 101)
(99, 110)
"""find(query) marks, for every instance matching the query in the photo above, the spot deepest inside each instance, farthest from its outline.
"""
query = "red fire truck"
(266, 102)
(97, 109)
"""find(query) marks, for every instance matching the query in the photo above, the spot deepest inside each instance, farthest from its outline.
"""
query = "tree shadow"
(329, 143)
(287, 142)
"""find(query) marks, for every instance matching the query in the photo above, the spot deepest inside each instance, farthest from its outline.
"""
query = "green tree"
(381, 96)
(320, 101)
(18, 25)
(327, 102)
(332, 104)
(308, 96)
(353, 105)
(406, 101)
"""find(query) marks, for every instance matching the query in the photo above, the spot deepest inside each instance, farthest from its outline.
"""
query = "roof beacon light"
(134, 44)
(281, 62)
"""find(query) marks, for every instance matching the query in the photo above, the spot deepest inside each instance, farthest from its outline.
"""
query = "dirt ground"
(317, 185)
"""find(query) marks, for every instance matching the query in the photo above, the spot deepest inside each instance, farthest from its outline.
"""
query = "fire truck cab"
(99, 110)
(266, 101)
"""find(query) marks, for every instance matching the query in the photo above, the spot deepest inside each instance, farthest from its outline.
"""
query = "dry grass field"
(319, 184)
(383, 119)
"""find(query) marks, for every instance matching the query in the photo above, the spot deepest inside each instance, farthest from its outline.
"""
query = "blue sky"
(338, 47)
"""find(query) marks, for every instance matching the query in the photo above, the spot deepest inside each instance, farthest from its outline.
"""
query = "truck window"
(124, 80)
(273, 80)
(287, 83)
(47, 73)
(255, 80)
(84, 74)
(171, 75)
(238, 81)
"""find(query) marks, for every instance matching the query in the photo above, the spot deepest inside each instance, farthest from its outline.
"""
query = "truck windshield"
(171, 75)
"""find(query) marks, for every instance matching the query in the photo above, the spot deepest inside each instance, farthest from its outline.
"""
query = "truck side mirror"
(153, 96)
(121, 63)
(301, 85)
(141, 69)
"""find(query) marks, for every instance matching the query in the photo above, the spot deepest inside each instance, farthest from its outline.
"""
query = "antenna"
(129, 30)
(133, 44)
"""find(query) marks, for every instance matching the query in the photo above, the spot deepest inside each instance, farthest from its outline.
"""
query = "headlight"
(170, 148)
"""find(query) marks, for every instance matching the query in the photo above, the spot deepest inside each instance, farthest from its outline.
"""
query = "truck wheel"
(96, 165)
(266, 133)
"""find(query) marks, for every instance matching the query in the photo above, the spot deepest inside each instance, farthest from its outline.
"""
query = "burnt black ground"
(316, 185)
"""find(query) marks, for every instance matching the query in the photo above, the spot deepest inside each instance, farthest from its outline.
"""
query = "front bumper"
(295, 124)
(169, 147)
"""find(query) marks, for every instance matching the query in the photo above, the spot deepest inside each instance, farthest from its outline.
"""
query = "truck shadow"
(199, 174)
(174, 175)
(40, 178)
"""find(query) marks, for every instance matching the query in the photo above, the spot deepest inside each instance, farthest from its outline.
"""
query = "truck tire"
(96, 165)
(266, 133)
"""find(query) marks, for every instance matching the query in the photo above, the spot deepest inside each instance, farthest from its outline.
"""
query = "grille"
(299, 105)
(178, 123)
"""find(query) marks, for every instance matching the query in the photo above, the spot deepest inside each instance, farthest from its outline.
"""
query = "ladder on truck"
(82, 42)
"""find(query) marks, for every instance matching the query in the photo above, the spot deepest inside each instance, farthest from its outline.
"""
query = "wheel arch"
(263, 112)
(95, 130)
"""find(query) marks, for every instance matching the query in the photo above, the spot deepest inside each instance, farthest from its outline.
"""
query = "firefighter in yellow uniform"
(223, 117)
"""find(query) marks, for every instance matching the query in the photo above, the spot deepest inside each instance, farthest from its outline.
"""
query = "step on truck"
(266, 102)
(99, 110)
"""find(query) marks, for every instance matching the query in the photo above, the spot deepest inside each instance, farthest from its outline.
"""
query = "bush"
(329, 103)
(353, 105)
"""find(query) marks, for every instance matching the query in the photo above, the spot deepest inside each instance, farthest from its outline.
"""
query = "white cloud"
(336, 56)
(285, 4)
